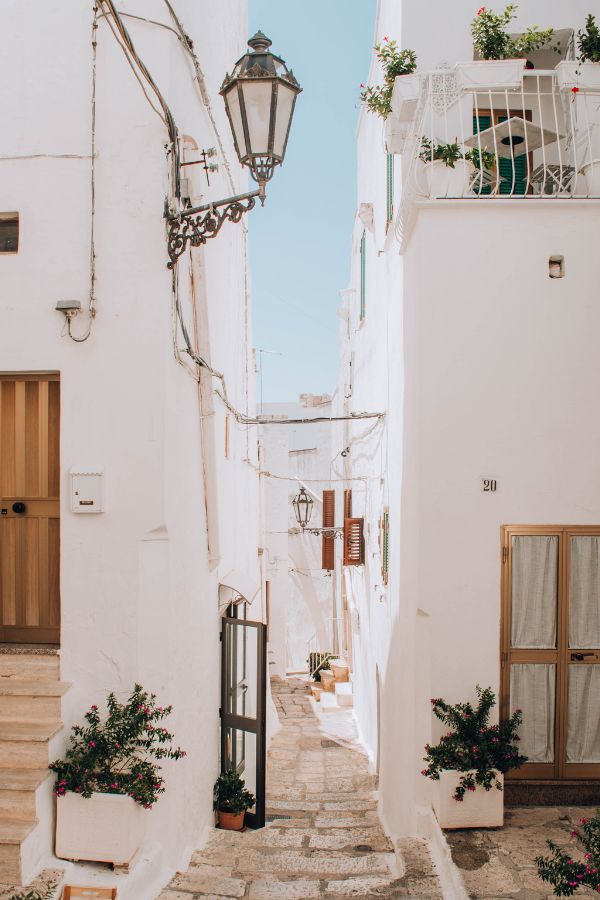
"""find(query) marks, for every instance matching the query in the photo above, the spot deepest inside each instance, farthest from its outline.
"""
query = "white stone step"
(328, 701)
(30, 666)
(344, 693)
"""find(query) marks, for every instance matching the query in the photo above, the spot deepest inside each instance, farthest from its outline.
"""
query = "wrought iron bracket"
(196, 225)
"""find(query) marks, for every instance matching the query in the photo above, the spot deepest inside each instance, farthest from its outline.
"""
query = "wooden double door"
(551, 648)
(29, 509)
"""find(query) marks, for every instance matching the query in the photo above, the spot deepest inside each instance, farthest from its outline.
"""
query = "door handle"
(19, 507)
(579, 657)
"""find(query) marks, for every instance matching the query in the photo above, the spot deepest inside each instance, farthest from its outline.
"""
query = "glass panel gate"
(243, 707)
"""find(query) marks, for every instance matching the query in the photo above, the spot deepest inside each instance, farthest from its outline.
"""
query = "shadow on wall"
(310, 604)
(404, 726)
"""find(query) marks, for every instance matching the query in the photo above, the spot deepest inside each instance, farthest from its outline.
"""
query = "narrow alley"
(324, 837)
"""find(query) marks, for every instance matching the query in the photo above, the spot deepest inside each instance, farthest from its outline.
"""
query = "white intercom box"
(86, 489)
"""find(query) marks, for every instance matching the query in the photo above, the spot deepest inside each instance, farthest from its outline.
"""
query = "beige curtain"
(583, 720)
(534, 591)
(584, 593)
(532, 689)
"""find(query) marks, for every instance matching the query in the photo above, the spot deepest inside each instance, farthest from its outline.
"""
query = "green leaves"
(230, 795)
(566, 874)
(589, 41)
(118, 755)
(395, 62)
(472, 745)
(492, 40)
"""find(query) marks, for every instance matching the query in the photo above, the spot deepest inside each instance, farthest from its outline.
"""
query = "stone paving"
(325, 839)
(497, 863)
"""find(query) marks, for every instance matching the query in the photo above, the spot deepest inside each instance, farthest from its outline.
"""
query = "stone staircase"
(30, 716)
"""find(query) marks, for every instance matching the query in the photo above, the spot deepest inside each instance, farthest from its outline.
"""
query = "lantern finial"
(260, 42)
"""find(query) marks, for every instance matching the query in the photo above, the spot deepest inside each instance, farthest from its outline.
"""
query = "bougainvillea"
(118, 755)
(472, 745)
(566, 874)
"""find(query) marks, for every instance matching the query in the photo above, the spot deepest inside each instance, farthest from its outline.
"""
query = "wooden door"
(551, 647)
(29, 509)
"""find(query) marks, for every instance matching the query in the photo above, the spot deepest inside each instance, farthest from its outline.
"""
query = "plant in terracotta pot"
(473, 755)
(394, 62)
(109, 773)
(231, 799)
(492, 40)
(567, 875)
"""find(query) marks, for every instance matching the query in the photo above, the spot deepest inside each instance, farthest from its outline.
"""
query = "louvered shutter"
(328, 540)
(347, 504)
(385, 546)
(354, 542)
(363, 275)
(390, 187)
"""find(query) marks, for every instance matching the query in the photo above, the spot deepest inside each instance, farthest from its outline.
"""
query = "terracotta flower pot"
(231, 821)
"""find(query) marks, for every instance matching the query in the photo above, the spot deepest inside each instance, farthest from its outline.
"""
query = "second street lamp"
(260, 96)
(303, 505)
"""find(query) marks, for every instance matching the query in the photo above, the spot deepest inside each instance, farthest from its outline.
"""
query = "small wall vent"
(556, 267)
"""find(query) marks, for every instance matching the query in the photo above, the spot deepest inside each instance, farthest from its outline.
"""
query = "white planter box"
(479, 809)
(104, 828)
(585, 76)
(405, 97)
(490, 74)
(397, 135)
(441, 180)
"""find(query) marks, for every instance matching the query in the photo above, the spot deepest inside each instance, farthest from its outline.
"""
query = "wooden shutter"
(384, 545)
(328, 546)
(347, 504)
(354, 542)
(390, 188)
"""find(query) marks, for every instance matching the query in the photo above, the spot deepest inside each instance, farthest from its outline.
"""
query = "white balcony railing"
(535, 137)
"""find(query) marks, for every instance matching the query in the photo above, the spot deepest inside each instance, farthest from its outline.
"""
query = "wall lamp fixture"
(260, 96)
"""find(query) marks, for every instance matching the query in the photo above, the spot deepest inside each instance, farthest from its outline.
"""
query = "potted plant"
(503, 56)
(566, 874)
(446, 171)
(470, 761)
(582, 74)
(109, 775)
(395, 63)
(231, 800)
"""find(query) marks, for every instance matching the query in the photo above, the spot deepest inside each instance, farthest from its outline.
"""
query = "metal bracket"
(195, 226)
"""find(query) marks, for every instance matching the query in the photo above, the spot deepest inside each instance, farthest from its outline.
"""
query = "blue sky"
(299, 242)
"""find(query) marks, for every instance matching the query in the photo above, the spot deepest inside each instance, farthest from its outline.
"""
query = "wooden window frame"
(559, 770)
(11, 217)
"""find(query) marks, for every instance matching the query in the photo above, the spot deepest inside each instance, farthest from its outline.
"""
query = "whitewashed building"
(102, 412)
(471, 320)
(304, 611)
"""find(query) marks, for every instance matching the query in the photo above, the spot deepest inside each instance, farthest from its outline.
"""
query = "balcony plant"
(567, 875)
(109, 774)
(588, 41)
(584, 73)
(231, 799)
(471, 758)
(447, 170)
(395, 63)
(503, 56)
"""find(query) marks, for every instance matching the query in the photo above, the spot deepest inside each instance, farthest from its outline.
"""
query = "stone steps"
(30, 716)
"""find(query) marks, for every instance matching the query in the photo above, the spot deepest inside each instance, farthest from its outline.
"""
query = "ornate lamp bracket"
(196, 225)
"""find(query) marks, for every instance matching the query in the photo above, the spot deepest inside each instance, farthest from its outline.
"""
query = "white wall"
(139, 592)
(486, 368)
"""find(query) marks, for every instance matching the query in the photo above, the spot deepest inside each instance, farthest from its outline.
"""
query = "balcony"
(494, 130)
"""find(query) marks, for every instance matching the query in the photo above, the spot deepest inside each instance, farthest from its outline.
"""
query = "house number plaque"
(489, 485)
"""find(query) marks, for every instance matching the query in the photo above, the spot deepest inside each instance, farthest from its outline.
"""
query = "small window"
(363, 275)
(390, 188)
(9, 232)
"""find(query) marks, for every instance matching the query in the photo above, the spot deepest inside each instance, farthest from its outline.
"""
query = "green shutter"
(506, 166)
(385, 546)
(363, 275)
(390, 187)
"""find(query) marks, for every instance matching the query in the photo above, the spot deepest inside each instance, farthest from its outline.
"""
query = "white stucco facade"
(139, 582)
(486, 368)
(303, 602)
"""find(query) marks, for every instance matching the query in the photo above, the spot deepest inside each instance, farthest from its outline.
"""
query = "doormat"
(78, 892)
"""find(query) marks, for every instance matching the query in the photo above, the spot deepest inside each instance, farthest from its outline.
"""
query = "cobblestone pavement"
(497, 863)
(328, 841)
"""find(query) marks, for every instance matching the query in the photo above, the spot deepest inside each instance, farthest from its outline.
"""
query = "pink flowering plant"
(119, 754)
(472, 745)
(394, 62)
(564, 873)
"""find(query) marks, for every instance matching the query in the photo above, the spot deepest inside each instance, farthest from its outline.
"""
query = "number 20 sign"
(489, 485)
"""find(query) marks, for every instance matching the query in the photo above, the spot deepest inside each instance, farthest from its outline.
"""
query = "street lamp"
(260, 96)
(303, 505)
